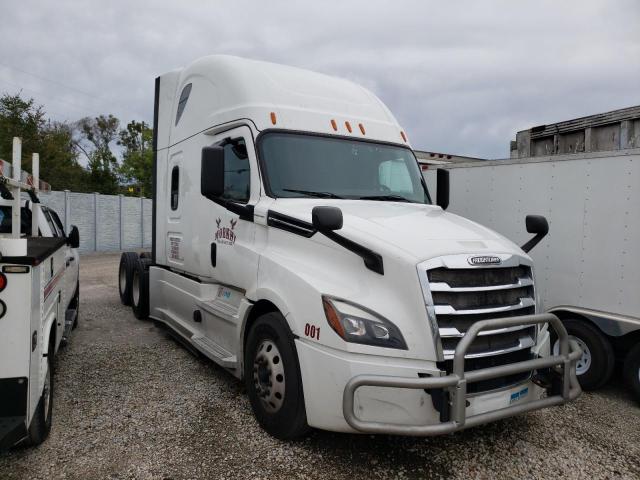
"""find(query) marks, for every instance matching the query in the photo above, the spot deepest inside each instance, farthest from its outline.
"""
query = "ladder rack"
(12, 181)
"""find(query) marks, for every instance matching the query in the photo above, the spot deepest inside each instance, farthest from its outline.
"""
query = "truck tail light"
(3, 281)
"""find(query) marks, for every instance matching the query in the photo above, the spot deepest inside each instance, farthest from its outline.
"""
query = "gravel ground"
(132, 403)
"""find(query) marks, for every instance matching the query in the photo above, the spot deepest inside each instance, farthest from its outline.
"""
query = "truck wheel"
(632, 371)
(127, 263)
(140, 288)
(272, 378)
(41, 422)
(595, 367)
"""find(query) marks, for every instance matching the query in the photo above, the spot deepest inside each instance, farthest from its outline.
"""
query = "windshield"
(298, 165)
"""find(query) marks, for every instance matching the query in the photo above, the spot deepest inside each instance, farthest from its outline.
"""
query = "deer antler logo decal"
(226, 235)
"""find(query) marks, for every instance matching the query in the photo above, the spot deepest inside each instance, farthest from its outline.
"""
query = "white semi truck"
(39, 294)
(295, 244)
(588, 267)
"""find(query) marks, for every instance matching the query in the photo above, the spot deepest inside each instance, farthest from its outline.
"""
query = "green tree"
(52, 140)
(96, 137)
(137, 158)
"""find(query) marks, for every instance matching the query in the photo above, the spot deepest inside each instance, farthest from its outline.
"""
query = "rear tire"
(42, 418)
(272, 378)
(140, 289)
(125, 272)
(595, 367)
(632, 371)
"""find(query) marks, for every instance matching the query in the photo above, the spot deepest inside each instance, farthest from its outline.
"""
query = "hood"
(420, 231)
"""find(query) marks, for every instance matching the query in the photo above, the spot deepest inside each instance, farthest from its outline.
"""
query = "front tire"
(272, 378)
(632, 371)
(595, 367)
(42, 418)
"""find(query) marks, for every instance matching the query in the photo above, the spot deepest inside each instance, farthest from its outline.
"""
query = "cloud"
(461, 77)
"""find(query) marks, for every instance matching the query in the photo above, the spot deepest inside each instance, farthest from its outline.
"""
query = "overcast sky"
(461, 77)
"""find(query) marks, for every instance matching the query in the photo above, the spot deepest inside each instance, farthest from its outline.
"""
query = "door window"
(236, 171)
(57, 222)
(52, 225)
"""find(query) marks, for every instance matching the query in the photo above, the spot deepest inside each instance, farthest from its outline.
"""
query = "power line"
(50, 80)
(50, 98)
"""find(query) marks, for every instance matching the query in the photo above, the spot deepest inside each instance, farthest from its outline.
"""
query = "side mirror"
(326, 219)
(212, 172)
(538, 225)
(73, 240)
(442, 193)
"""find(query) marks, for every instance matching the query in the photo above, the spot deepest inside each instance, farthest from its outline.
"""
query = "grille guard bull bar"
(456, 382)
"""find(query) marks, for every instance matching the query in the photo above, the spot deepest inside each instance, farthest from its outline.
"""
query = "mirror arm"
(527, 247)
(245, 212)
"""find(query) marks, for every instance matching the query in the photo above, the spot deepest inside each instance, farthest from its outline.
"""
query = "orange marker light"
(348, 125)
(362, 128)
(273, 118)
(334, 125)
(404, 137)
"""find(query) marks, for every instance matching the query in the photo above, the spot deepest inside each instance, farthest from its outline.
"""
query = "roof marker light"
(273, 118)
(362, 128)
(348, 125)
(404, 137)
(334, 125)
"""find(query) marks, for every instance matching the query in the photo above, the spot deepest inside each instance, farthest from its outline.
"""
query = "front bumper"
(456, 383)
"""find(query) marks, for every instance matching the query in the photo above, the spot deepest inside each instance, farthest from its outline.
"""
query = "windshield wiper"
(313, 194)
(393, 198)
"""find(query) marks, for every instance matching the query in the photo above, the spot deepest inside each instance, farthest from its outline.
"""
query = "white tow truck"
(38, 302)
(295, 244)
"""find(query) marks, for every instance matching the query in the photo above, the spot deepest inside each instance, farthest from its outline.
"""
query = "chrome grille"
(463, 296)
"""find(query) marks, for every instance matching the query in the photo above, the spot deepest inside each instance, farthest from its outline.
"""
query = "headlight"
(357, 324)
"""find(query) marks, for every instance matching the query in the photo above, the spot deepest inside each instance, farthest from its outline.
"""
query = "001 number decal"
(312, 331)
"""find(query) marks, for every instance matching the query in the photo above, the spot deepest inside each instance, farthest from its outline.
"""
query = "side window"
(182, 103)
(56, 220)
(52, 226)
(394, 175)
(175, 187)
(236, 171)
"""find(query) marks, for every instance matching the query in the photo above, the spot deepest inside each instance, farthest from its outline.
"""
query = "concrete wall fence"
(106, 222)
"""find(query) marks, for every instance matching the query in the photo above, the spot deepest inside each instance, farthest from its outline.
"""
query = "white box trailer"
(296, 245)
(588, 267)
(38, 303)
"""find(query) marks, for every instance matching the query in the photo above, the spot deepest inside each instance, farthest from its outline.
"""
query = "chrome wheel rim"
(584, 362)
(46, 393)
(135, 288)
(268, 376)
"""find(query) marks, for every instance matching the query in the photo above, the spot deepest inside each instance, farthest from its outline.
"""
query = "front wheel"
(272, 378)
(632, 370)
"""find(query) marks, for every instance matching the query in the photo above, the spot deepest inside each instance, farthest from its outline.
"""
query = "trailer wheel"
(127, 263)
(41, 422)
(140, 288)
(272, 378)
(632, 370)
(595, 367)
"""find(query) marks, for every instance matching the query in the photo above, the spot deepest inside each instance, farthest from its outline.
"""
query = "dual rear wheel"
(133, 282)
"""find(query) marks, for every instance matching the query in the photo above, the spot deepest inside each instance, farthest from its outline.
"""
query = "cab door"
(231, 234)
(70, 256)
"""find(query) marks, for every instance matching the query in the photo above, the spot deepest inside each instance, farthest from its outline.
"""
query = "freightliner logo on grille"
(484, 260)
